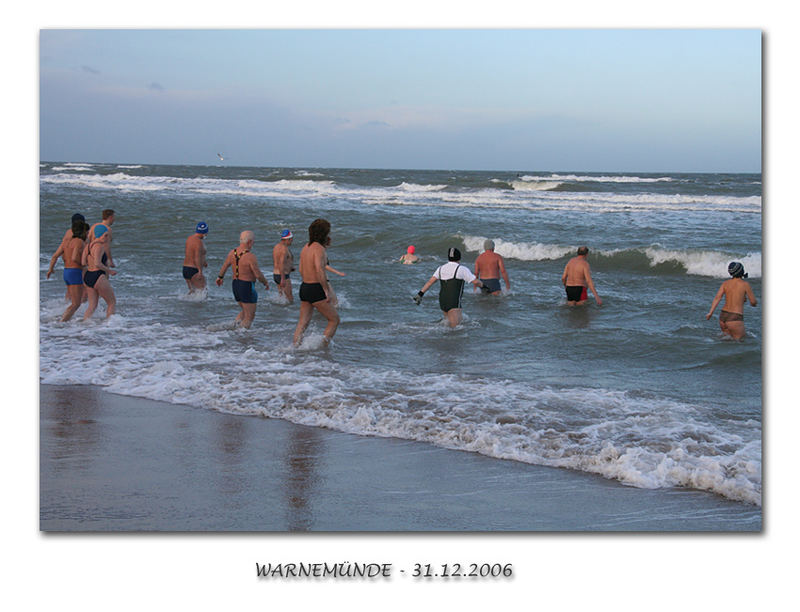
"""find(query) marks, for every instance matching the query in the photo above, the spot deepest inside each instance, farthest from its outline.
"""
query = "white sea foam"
(697, 262)
(641, 441)
(535, 185)
(706, 263)
(409, 194)
(597, 179)
(524, 251)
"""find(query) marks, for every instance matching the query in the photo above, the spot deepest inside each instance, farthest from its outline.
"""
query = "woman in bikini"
(735, 291)
(96, 276)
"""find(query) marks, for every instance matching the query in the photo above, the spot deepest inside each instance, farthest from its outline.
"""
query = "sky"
(681, 100)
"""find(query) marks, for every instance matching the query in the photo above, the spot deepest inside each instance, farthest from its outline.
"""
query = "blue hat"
(286, 234)
(202, 228)
(99, 230)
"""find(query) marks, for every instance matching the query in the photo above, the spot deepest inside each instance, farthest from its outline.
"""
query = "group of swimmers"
(315, 292)
(86, 252)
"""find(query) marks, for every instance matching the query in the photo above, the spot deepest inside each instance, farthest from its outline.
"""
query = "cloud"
(90, 70)
(156, 87)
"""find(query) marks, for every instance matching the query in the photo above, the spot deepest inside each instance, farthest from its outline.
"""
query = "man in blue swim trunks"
(194, 259)
(489, 267)
(245, 274)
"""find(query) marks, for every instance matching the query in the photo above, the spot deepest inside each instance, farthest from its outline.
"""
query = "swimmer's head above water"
(736, 270)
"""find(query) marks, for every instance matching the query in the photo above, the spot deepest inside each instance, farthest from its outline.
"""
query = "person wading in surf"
(577, 276)
(315, 291)
(735, 291)
(451, 277)
(245, 274)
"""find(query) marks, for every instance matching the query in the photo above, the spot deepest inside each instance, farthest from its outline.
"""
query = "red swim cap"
(411, 249)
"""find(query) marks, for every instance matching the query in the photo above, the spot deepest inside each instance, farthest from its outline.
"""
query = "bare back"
(282, 259)
(576, 272)
(246, 268)
(488, 265)
(736, 291)
(312, 263)
(72, 252)
(195, 255)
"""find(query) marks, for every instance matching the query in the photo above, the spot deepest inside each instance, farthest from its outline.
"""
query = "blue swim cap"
(99, 230)
(286, 234)
(202, 228)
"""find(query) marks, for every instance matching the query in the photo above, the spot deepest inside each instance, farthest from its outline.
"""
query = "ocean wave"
(535, 185)
(652, 259)
(523, 251)
(539, 197)
(575, 178)
(638, 440)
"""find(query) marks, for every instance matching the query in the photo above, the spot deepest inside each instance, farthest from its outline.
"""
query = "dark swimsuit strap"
(236, 257)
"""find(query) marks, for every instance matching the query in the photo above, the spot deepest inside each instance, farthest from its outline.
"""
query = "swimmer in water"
(409, 257)
(97, 272)
(283, 265)
(577, 276)
(735, 291)
(451, 277)
(489, 267)
(194, 259)
(315, 290)
(245, 274)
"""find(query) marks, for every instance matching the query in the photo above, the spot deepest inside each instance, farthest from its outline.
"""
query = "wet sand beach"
(113, 463)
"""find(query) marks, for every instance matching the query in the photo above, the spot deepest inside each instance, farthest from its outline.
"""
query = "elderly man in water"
(245, 274)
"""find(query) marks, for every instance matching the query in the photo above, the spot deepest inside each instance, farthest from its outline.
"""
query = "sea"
(642, 390)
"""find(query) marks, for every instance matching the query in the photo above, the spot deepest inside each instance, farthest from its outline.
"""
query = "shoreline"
(112, 463)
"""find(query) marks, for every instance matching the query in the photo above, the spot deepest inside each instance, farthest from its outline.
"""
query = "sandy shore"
(116, 463)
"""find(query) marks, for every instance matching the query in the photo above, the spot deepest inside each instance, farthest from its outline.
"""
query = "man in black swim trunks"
(315, 291)
(577, 276)
(195, 259)
(283, 264)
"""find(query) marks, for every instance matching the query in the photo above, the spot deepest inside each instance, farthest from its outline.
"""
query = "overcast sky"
(593, 100)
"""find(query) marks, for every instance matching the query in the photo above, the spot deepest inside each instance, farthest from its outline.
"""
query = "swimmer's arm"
(564, 276)
(258, 274)
(715, 303)
(319, 264)
(199, 261)
(504, 273)
(334, 270)
(428, 285)
(54, 259)
(750, 295)
(108, 249)
(98, 261)
(224, 268)
(590, 284)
